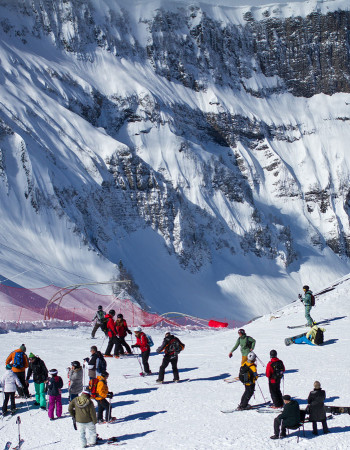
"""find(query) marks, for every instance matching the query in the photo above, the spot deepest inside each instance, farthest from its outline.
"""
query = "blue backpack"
(18, 362)
(149, 340)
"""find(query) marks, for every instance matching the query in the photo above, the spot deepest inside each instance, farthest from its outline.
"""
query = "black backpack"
(278, 370)
(319, 337)
(245, 374)
(175, 346)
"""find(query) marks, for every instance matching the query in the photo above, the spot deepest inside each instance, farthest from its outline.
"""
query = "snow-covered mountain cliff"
(205, 147)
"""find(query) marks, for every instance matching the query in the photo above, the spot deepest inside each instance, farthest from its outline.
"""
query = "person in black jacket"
(289, 418)
(316, 408)
(39, 371)
(171, 346)
(96, 364)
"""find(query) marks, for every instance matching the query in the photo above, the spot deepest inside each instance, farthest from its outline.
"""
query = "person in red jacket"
(142, 343)
(122, 331)
(113, 336)
(274, 372)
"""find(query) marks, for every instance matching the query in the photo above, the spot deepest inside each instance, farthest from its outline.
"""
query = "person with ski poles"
(75, 377)
(171, 346)
(307, 300)
(19, 361)
(248, 376)
(113, 336)
(247, 344)
(274, 372)
(122, 331)
(8, 383)
(38, 368)
(143, 345)
(83, 412)
(100, 321)
(96, 363)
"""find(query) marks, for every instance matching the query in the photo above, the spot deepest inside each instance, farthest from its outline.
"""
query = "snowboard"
(337, 409)
(290, 340)
(253, 407)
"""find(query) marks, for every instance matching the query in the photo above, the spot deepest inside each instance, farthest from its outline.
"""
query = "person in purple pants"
(53, 388)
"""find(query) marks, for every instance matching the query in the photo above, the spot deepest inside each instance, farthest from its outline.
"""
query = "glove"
(110, 395)
(86, 359)
(299, 296)
(130, 332)
(133, 346)
(230, 355)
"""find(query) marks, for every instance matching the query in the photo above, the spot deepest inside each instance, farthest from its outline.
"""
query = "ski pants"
(277, 424)
(9, 396)
(55, 400)
(40, 394)
(247, 395)
(124, 344)
(90, 430)
(22, 391)
(72, 396)
(244, 359)
(308, 318)
(324, 426)
(276, 394)
(166, 360)
(144, 357)
(103, 405)
(303, 340)
(113, 341)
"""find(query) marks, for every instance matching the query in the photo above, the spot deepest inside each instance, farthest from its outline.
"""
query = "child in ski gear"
(171, 346)
(248, 375)
(83, 411)
(112, 334)
(19, 361)
(101, 397)
(100, 321)
(316, 409)
(53, 388)
(246, 343)
(96, 364)
(75, 377)
(142, 344)
(289, 418)
(38, 368)
(274, 372)
(307, 303)
(122, 331)
(9, 382)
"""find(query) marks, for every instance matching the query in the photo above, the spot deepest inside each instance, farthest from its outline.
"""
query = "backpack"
(175, 346)
(318, 337)
(245, 374)
(100, 316)
(278, 370)
(149, 340)
(93, 387)
(312, 300)
(18, 361)
(101, 365)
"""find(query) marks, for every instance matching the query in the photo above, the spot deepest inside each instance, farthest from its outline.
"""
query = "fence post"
(19, 316)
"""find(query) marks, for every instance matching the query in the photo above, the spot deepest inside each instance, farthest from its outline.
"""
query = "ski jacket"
(82, 409)
(54, 386)
(101, 388)
(39, 371)
(93, 364)
(312, 333)
(290, 414)
(75, 380)
(111, 330)
(253, 375)
(11, 358)
(307, 298)
(269, 370)
(10, 381)
(122, 328)
(142, 342)
(100, 316)
(247, 344)
(316, 405)
(171, 346)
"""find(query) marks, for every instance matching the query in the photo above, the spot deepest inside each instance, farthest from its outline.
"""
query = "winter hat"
(53, 372)
(317, 385)
(287, 397)
(23, 348)
(273, 354)
(31, 355)
(137, 330)
(75, 364)
(8, 366)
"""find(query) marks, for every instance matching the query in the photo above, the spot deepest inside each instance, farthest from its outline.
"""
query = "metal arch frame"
(58, 296)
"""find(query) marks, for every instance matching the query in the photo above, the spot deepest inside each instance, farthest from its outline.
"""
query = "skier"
(100, 322)
(122, 330)
(19, 361)
(53, 388)
(96, 364)
(101, 396)
(246, 343)
(9, 382)
(38, 368)
(316, 409)
(307, 303)
(274, 372)
(83, 412)
(289, 418)
(112, 334)
(75, 376)
(248, 375)
(171, 346)
(142, 344)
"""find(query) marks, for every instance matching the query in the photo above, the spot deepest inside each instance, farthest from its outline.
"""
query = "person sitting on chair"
(289, 418)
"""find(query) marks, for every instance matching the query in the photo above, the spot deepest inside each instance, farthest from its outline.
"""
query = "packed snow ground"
(187, 415)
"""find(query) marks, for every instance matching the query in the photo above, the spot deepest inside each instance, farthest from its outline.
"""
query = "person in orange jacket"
(19, 361)
(101, 396)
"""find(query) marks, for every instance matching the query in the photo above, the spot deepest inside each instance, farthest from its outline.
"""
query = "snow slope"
(187, 415)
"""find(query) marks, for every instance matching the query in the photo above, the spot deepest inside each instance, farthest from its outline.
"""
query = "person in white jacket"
(9, 382)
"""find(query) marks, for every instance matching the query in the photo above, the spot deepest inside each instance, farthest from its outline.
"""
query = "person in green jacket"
(83, 412)
(246, 343)
(289, 418)
(307, 303)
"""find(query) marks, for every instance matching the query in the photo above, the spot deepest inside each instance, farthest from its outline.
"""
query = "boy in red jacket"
(142, 343)
(122, 330)
(113, 336)
(274, 372)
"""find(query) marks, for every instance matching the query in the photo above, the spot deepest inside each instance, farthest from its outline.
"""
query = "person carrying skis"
(113, 336)
(171, 346)
(96, 363)
(101, 394)
(53, 388)
(143, 345)
(19, 361)
(83, 412)
(122, 331)
(38, 368)
(100, 321)
(274, 372)
(307, 300)
(75, 376)
(8, 383)
(248, 376)
(246, 343)
(316, 409)
(289, 418)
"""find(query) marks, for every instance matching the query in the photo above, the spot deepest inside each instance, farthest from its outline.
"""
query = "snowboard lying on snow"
(337, 409)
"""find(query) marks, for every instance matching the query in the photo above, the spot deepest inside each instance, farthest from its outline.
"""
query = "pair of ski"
(8, 445)
(252, 408)
(141, 374)
(154, 383)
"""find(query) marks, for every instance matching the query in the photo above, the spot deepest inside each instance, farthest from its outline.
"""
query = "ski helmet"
(138, 330)
(273, 354)
(241, 331)
(119, 316)
(111, 312)
(53, 372)
(99, 307)
(75, 364)
(251, 356)
(306, 287)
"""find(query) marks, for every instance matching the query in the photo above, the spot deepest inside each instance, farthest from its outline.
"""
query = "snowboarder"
(96, 364)
(122, 331)
(248, 376)
(246, 343)
(100, 321)
(19, 361)
(274, 372)
(289, 418)
(101, 396)
(75, 376)
(113, 337)
(307, 300)
(83, 412)
(143, 345)
(315, 335)
(38, 368)
(53, 388)
(171, 346)
(316, 409)
(9, 382)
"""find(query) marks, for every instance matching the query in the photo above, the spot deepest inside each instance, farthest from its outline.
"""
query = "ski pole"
(283, 385)
(18, 421)
(261, 391)
(84, 374)
(259, 360)
(138, 359)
